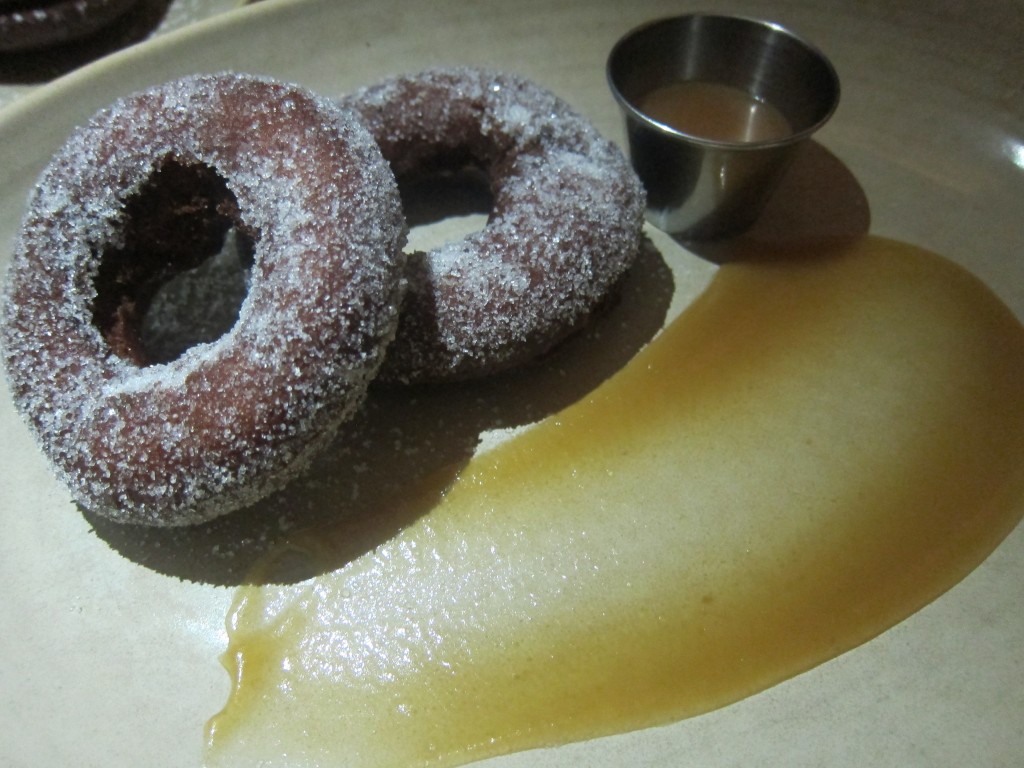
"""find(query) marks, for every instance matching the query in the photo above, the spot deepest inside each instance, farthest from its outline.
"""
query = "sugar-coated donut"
(148, 188)
(32, 24)
(565, 225)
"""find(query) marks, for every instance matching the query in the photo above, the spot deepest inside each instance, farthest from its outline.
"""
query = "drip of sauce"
(715, 111)
(813, 450)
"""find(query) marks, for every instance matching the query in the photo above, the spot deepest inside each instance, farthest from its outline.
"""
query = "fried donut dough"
(148, 188)
(565, 225)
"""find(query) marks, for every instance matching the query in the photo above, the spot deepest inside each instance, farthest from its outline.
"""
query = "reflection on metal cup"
(707, 174)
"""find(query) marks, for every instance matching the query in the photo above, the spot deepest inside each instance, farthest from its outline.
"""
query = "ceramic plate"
(110, 658)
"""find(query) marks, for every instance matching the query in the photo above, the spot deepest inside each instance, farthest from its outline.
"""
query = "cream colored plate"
(105, 662)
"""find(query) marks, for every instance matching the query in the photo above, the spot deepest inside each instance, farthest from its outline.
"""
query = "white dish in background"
(109, 663)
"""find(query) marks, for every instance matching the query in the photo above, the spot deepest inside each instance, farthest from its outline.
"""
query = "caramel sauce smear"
(812, 451)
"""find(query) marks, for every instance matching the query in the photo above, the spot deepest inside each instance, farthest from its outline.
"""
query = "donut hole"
(180, 274)
(199, 305)
(445, 204)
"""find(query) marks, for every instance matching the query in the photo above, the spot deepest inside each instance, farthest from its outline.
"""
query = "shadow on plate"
(392, 463)
(35, 66)
(819, 203)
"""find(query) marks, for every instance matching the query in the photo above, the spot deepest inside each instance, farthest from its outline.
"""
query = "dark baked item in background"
(29, 24)
(43, 39)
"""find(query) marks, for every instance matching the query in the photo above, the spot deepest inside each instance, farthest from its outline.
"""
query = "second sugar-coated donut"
(565, 225)
(147, 188)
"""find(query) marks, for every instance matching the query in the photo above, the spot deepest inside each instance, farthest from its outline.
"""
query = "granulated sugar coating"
(228, 421)
(565, 225)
